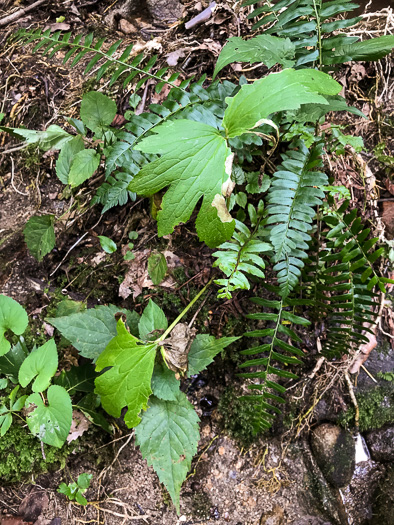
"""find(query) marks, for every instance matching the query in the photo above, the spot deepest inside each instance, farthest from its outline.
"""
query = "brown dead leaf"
(388, 217)
(389, 186)
(173, 57)
(177, 346)
(79, 425)
(137, 277)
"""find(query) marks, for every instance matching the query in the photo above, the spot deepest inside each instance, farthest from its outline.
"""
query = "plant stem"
(174, 323)
(318, 33)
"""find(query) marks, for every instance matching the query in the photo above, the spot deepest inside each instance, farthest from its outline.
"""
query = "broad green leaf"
(40, 364)
(193, 166)
(50, 422)
(97, 110)
(107, 244)
(40, 235)
(128, 382)
(12, 317)
(269, 50)
(68, 307)
(203, 351)
(152, 319)
(77, 379)
(5, 422)
(157, 267)
(54, 138)
(164, 383)
(92, 330)
(3, 383)
(83, 166)
(282, 91)
(211, 229)
(11, 362)
(84, 480)
(368, 50)
(66, 157)
(168, 436)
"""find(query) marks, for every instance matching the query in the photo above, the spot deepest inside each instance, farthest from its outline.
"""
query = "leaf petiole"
(174, 323)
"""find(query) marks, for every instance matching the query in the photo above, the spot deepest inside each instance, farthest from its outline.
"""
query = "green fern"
(242, 254)
(114, 192)
(308, 24)
(274, 357)
(294, 194)
(130, 68)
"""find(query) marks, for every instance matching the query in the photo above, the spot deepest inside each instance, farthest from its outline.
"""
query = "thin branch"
(18, 14)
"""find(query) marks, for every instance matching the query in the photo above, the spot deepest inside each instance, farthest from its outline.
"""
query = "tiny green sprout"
(60, 19)
(133, 235)
(129, 256)
(75, 490)
(107, 244)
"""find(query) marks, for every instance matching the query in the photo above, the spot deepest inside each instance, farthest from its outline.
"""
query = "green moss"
(237, 417)
(376, 409)
(21, 455)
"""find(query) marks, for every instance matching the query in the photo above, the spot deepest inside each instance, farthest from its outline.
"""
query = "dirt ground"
(228, 483)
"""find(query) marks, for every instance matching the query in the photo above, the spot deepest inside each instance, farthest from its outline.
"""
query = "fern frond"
(294, 194)
(114, 192)
(128, 66)
(308, 25)
(240, 256)
(273, 357)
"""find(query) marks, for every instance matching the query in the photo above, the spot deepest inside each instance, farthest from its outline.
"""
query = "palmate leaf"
(168, 436)
(193, 165)
(282, 91)
(293, 197)
(269, 50)
(128, 381)
(271, 358)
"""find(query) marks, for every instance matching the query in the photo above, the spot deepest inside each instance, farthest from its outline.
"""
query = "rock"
(275, 517)
(126, 27)
(310, 520)
(381, 444)
(166, 10)
(334, 450)
(33, 504)
(384, 501)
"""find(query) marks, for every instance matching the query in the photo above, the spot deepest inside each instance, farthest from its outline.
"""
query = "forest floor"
(233, 480)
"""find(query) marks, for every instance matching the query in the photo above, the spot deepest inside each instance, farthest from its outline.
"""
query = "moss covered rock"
(334, 450)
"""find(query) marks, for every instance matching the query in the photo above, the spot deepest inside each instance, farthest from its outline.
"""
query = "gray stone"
(311, 520)
(381, 444)
(384, 501)
(166, 10)
(334, 450)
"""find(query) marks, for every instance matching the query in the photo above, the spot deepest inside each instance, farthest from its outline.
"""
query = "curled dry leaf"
(79, 425)
(177, 346)
(363, 353)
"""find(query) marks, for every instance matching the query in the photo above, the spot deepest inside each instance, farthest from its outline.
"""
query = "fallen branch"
(18, 14)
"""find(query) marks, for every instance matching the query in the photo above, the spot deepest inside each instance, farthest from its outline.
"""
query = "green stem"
(174, 323)
(318, 34)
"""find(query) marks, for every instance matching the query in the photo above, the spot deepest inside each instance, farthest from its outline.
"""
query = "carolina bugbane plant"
(216, 148)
